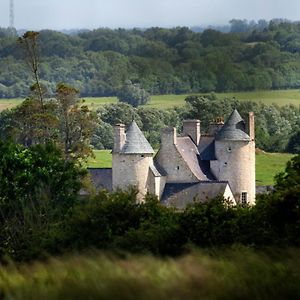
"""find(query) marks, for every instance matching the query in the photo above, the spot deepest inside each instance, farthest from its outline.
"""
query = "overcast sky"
(67, 14)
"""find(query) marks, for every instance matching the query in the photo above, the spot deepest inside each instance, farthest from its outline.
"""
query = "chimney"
(119, 137)
(251, 126)
(215, 126)
(191, 128)
(169, 136)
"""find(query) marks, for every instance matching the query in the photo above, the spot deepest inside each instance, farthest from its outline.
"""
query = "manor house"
(186, 167)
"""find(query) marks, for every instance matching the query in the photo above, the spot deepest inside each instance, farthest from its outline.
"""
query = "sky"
(70, 14)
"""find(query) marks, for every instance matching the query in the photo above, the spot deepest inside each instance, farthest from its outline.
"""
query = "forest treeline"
(276, 128)
(162, 61)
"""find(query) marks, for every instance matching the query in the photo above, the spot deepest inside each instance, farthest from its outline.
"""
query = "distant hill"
(252, 56)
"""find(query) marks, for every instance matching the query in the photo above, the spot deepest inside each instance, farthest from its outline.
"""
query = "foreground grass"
(238, 273)
(267, 164)
(280, 97)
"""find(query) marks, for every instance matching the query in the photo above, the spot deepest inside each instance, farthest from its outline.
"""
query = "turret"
(132, 157)
(235, 154)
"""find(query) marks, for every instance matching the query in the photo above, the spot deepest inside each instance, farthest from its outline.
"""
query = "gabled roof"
(136, 142)
(181, 194)
(190, 154)
(233, 129)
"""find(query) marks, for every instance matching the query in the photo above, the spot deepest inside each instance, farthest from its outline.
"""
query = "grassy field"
(280, 97)
(267, 164)
(237, 273)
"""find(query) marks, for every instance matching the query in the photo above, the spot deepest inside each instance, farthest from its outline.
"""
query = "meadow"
(233, 273)
(267, 164)
(279, 97)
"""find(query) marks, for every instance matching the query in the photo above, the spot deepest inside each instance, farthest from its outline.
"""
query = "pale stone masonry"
(188, 167)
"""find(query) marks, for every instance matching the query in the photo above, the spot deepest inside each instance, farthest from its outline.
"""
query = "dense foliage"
(275, 126)
(133, 94)
(37, 188)
(162, 61)
(40, 213)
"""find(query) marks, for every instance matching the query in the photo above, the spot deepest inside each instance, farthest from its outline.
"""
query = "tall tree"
(29, 43)
(77, 122)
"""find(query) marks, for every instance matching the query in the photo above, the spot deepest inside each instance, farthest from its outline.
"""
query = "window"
(244, 197)
(142, 155)
(177, 167)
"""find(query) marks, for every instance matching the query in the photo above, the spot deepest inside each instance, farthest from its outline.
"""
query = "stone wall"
(170, 159)
(131, 170)
(236, 163)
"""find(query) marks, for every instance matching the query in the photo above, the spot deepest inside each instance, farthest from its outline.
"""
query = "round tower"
(131, 158)
(235, 154)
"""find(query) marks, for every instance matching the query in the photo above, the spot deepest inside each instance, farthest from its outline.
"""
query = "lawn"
(232, 273)
(267, 164)
(280, 97)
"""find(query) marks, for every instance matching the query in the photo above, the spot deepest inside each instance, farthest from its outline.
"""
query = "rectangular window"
(244, 197)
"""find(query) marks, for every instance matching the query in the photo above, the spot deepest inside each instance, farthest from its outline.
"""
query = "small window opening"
(177, 167)
(142, 155)
(244, 197)
(225, 164)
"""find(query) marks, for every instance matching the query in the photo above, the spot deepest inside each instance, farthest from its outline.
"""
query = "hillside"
(163, 61)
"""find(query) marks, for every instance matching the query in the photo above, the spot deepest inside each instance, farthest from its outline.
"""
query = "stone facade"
(188, 167)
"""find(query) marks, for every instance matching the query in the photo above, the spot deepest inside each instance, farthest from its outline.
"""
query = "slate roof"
(136, 142)
(207, 148)
(190, 154)
(233, 129)
(155, 171)
(181, 194)
(101, 178)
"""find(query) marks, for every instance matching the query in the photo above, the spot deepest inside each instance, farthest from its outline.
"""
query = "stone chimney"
(119, 137)
(191, 128)
(169, 136)
(215, 126)
(251, 126)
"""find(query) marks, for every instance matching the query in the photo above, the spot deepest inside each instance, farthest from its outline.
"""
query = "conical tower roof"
(136, 142)
(233, 129)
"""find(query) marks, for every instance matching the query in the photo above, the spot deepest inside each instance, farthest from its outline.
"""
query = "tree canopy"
(251, 56)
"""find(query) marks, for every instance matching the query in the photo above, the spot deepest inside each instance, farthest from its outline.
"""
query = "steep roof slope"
(136, 142)
(190, 154)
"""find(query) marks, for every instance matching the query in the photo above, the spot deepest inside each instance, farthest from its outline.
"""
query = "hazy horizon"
(76, 14)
